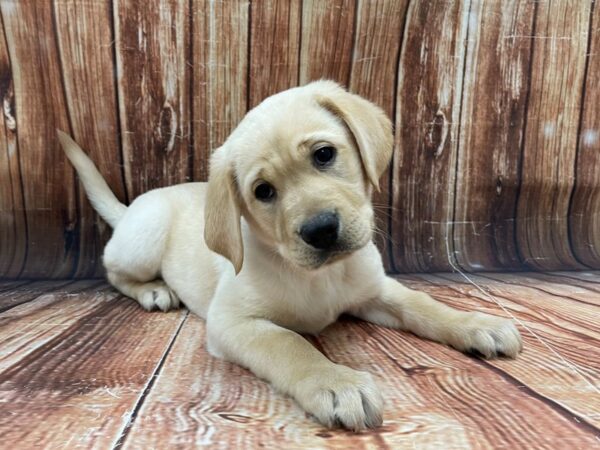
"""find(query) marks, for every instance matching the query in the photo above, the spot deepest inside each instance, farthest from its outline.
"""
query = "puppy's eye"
(264, 192)
(324, 156)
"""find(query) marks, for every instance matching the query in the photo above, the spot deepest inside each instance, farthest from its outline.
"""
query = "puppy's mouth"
(327, 257)
(314, 259)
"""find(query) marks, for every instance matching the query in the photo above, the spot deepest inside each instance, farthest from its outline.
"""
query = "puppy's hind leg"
(133, 256)
(150, 294)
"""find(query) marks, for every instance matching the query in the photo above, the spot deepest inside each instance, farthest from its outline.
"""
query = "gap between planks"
(155, 374)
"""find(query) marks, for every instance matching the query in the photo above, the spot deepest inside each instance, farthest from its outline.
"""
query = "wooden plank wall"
(496, 106)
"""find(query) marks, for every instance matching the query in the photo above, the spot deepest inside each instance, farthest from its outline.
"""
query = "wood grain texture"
(13, 225)
(327, 40)
(8, 285)
(438, 398)
(79, 359)
(591, 278)
(435, 396)
(495, 106)
(491, 134)
(39, 108)
(373, 76)
(153, 79)
(548, 165)
(76, 372)
(208, 402)
(17, 295)
(560, 357)
(220, 66)
(85, 42)
(584, 211)
(35, 314)
(555, 284)
(274, 48)
(427, 126)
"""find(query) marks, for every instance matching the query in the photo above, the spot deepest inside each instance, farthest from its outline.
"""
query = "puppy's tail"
(101, 197)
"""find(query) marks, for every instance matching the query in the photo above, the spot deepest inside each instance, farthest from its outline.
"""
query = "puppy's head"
(300, 168)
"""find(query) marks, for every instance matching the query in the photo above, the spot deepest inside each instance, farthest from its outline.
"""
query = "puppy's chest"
(309, 306)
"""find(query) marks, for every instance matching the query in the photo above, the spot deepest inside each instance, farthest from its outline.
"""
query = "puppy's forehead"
(276, 132)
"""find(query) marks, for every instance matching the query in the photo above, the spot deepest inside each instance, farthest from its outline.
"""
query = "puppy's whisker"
(385, 236)
(385, 206)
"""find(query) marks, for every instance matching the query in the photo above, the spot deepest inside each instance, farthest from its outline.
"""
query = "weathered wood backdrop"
(496, 105)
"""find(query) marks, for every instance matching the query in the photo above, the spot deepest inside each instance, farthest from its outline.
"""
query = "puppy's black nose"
(321, 231)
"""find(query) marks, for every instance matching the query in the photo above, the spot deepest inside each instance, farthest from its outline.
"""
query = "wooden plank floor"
(83, 367)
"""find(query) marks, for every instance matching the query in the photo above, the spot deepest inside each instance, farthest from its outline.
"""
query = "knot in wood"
(437, 131)
(166, 129)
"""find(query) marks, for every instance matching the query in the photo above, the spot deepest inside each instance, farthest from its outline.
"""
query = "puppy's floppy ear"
(369, 125)
(222, 211)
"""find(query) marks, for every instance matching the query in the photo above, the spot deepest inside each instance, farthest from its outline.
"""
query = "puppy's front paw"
(487, 335)
(342, 397)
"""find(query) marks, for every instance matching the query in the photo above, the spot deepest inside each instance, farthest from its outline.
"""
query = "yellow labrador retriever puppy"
(279, 242)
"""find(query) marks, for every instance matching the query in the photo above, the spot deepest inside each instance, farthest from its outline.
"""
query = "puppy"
(279, 242)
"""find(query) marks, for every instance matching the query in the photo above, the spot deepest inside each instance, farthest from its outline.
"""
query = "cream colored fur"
(253, 278)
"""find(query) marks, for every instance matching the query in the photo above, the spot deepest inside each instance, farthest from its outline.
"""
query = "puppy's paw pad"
(489, 336)
(345, 398)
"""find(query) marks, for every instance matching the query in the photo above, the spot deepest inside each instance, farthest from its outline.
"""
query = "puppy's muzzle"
(321, 231)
